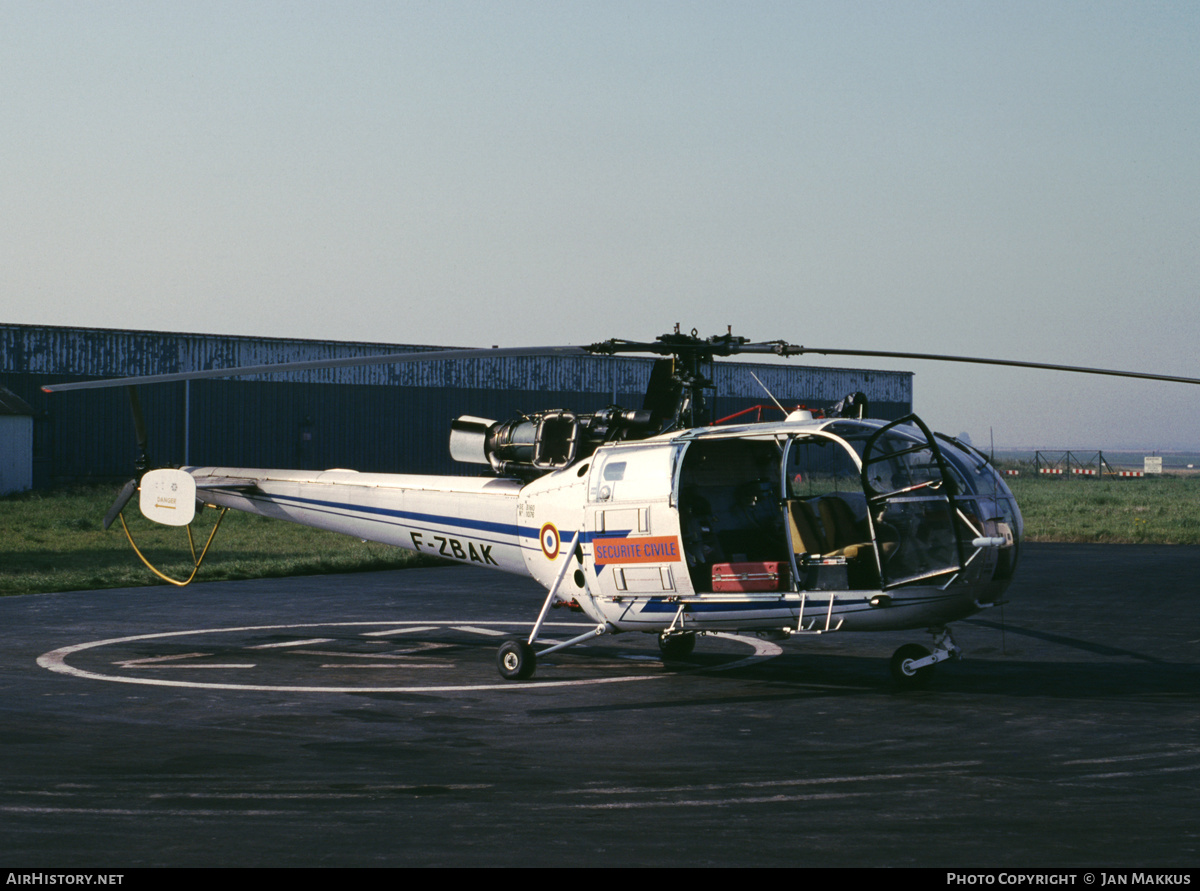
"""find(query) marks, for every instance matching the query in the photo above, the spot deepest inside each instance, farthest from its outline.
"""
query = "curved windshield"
(987, 505)
(852, 505)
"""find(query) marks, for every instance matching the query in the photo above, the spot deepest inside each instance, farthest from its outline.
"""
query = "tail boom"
(471, 520)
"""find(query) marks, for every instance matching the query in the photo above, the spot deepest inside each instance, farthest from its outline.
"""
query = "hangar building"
(371, 418)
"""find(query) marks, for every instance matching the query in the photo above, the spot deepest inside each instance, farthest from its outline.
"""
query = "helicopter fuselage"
(804, 525)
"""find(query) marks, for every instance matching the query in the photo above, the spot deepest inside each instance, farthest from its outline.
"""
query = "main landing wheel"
(677, 646)
(902, 672)
(516, 660)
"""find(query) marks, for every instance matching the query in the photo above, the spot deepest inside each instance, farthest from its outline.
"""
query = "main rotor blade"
(343, 362)
(724, 348)
(780, 348)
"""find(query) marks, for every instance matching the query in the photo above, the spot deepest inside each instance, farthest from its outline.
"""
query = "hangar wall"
(370, 418)
(16, 444)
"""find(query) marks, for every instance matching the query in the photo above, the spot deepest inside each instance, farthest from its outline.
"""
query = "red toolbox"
(748, 577)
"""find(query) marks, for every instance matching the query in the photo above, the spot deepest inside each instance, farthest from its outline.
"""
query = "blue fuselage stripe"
(482, 526)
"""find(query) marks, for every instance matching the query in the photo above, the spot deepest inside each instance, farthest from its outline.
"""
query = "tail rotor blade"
(119, 505)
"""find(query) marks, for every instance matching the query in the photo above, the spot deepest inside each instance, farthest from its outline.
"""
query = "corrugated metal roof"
(108, 352)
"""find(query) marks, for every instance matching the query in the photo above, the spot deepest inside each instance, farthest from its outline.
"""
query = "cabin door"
(910, 499)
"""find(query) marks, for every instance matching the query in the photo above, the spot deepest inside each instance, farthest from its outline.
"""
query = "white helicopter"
(649, 520)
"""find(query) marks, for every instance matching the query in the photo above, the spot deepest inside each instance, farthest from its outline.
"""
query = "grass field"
(53, 541)
(1158, 510)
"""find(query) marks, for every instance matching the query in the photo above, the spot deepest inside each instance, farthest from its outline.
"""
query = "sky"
(1015, 180)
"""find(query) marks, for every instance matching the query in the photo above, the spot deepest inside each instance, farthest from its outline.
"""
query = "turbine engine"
(532, 445)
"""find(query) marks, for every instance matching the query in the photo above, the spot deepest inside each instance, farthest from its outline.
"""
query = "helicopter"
(656, 520)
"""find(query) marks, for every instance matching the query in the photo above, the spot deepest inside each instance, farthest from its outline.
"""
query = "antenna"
(769, 393)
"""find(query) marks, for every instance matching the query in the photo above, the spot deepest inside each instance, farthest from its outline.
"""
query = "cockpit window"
(899, 464)
(816, 465)
(850, 505)
(912, 505)
(826, 511)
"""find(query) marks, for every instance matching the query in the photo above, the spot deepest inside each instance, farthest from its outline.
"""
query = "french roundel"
(549, 536)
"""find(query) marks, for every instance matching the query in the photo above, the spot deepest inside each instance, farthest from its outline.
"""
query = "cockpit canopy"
(846, 504)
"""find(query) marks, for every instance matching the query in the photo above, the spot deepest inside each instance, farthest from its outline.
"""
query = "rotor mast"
(676, 394)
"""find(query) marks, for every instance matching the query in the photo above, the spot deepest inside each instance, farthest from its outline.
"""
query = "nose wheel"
(902, 667)
(912, 664)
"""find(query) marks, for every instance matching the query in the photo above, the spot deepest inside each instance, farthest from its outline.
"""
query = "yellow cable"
(196, 561)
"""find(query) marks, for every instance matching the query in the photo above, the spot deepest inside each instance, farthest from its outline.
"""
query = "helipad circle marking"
(55, 660)
(550, 540)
